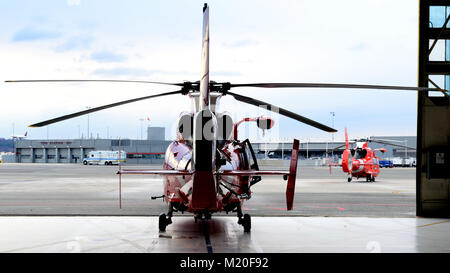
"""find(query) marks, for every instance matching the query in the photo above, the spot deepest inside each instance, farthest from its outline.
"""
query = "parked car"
(386, 164)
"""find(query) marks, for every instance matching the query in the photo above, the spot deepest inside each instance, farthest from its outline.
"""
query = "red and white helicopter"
(361, 161)
(207, 169)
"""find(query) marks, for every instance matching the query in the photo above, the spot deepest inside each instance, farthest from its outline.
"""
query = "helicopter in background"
(361, 161)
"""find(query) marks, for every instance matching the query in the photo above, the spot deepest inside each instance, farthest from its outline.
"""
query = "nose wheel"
(370, 178)
(165, 220)
(244, 219)
(247, 222)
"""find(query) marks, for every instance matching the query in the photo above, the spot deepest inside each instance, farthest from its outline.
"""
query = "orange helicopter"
(207, 169)
(361, 161)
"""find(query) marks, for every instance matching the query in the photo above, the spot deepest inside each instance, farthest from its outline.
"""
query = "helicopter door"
(250, 160)
(375, 164)
(249, 156)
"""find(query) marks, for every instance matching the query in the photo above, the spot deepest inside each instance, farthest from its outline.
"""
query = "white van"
(105, 158)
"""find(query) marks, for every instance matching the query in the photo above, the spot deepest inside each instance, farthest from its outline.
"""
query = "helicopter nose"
(356, 164)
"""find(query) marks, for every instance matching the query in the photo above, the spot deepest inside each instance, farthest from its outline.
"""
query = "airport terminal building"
(149, 151)
(152, 150)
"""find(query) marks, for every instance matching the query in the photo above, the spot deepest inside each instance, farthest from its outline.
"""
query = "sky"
(353, 41)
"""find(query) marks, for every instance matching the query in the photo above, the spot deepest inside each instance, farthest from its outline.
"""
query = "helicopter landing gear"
(244, 219)
(247, 222)
(370, 178)
(202, 216)
(164, 220)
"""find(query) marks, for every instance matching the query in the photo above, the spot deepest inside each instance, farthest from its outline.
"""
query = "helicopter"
(207, 169)
(362, 161)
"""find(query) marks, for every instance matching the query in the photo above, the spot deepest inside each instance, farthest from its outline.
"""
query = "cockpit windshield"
(250, 155)
(360, 153)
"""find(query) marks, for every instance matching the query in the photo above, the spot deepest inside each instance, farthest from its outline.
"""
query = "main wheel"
(162, 222)
(84, 162)
(349, 179)
(247, 222)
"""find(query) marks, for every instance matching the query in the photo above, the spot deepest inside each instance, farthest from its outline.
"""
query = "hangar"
(393, 234)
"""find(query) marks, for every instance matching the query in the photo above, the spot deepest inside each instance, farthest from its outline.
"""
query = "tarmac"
(75, 208)
(75, 189)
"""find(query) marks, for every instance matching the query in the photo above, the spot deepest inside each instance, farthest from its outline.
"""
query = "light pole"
(141, 119)
(88, 136)
(406, 148)
(307, 148)
(332, 134)
(332, 125)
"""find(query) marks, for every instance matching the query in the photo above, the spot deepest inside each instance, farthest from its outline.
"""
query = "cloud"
(73, 2)
(121, 71)
(106, 56)
(226, 73)
(135, 71)
(241, 43)
(74, 43)
(33, 34)
(358, 47)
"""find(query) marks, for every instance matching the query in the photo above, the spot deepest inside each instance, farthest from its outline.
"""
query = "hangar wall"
(433, 119)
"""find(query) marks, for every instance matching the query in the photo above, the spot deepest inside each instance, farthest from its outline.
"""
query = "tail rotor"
(347, 158)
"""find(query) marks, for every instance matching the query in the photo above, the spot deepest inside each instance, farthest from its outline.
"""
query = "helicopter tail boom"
(204, 81)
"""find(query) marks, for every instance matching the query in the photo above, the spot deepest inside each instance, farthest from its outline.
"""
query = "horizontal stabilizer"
(156, 172)
(251, 173)
(223, 173)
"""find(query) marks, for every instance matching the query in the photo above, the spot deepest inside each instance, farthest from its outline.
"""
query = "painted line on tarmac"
(436, 223)
(207, 238)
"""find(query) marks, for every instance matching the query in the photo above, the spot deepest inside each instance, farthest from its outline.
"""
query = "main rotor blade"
(91, 110)
(336, 148)
(282, 111)
(332, 85)
(129, 81)
(382, 141)
(392, 144)
(340, 146)
(386, 140)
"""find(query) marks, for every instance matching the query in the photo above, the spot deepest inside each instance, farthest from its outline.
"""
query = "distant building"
(321, 149)
(156, 133)
(152, 150)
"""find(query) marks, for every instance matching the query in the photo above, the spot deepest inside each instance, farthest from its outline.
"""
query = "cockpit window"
(360, 153)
